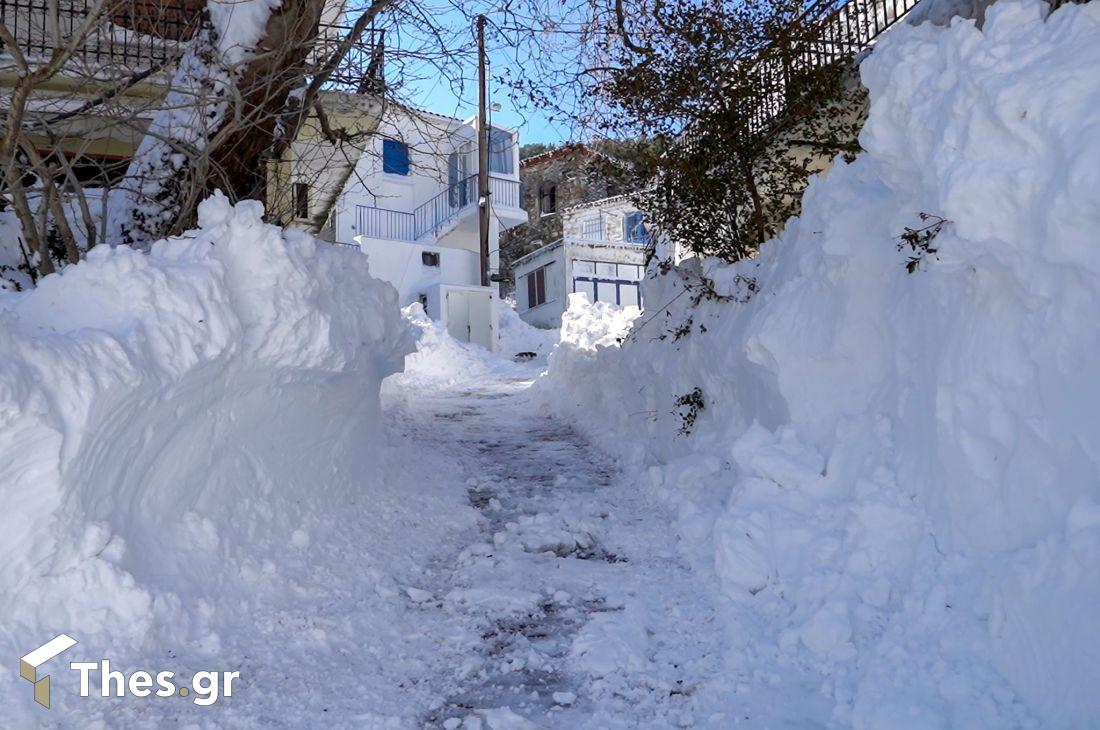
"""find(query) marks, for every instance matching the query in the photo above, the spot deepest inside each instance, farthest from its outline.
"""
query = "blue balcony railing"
(383, 223)
(428, 218)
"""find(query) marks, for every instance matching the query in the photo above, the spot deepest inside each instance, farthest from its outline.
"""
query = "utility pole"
(482, 155)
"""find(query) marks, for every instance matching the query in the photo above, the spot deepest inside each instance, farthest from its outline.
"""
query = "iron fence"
(504, 192)
(384, 223)
(429, 217)
(139, 35)
(361, 69)
(136, 36)
(826, 33)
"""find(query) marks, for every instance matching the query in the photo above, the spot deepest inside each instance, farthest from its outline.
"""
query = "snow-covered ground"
(893, 478)
(569, 606)
(850, 483)
(203, 477)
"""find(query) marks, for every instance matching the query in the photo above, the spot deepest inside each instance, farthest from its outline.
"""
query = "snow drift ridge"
(895, 479)
(171, 421)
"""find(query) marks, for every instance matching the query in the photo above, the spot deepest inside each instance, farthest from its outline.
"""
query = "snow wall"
(175, 427)
(895, 477)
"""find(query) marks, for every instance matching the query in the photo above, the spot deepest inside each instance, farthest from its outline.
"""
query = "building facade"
(601, 254)
(94, 111)
(554, 181)
(410, 204)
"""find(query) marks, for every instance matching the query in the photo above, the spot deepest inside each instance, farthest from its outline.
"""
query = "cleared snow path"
(569, 606)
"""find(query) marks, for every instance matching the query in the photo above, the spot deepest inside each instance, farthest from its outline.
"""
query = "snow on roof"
(569, 148)
(599, 203)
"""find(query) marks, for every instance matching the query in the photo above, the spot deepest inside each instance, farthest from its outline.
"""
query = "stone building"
(552, 182)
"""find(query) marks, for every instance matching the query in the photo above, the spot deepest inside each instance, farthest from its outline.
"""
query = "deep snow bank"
(895, 477)
(440, 360)
(191, 438)
(517, 336)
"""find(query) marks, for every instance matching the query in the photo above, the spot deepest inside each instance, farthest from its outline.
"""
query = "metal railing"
(429, 217)
(361, 69)
(138, 35)
(135, 36)
(504, 192)
(384, 223)
(835, 32)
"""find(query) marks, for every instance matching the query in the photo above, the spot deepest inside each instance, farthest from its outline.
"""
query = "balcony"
(143, 36)
(430, 217)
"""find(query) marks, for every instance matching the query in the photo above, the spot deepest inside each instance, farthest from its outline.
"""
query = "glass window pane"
(588, 288)
(500, 151)
(593, 229)
(540, 281)
(584, 268)
(606, 271)
(628, 295)
(634, 227)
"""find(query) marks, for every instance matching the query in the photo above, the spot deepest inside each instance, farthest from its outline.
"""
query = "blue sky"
(533, 125)
(426, 87)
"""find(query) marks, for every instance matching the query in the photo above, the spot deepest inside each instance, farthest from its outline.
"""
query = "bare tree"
(739, 102)
(212, 94)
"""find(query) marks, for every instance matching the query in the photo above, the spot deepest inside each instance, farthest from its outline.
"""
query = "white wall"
(610, 213)
(431, 140)
(400, 264)
(549, 313)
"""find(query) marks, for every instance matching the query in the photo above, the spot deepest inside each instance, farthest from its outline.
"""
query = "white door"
(481, 331)
(458, 315)
(469, 317)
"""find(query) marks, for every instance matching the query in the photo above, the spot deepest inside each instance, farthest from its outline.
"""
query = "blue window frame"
(395, 157)
(635, 227)
(608, 282)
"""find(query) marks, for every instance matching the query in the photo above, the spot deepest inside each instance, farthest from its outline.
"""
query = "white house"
(602, 253)
(411, 205)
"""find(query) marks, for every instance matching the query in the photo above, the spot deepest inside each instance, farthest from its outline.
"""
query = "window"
(586, 287)
(603, 281)
(429, 258)
(634, 228)
(301, 201)
(628, 295)
(536, 288)
(584, 268)
(500, 151)
(458, 182)
(592, 228)
(395, 157)
(548, 198)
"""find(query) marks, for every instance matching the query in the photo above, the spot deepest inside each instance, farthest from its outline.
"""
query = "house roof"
(569, 148)
(598, 203)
